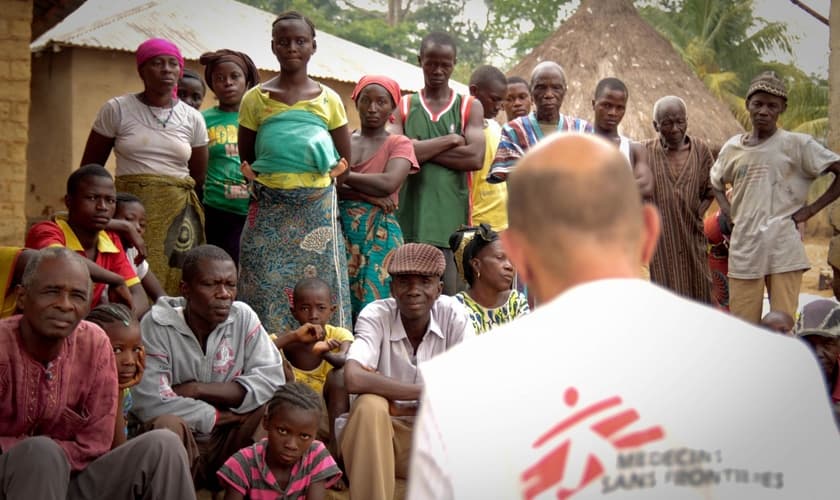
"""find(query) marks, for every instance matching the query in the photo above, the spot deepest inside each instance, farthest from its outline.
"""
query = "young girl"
(289, 463)
(490, 300)
(130, 209)
(379, 166)
(292, 134)
(124, 331)
(191, 89)
(229, 74)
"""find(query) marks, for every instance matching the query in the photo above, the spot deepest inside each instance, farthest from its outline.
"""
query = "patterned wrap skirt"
(291, 234)
(174, 222)
(371, 236)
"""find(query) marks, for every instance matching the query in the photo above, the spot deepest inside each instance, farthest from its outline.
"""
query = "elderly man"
(770, 170)
(548, 88)
(682, 192)
(615, 404)
(58, 400)
(210, 365)
(393, 336)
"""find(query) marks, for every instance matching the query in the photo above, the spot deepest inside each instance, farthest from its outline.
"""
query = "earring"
(478, 274)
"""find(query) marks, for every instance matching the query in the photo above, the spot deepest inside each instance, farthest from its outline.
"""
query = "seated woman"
(490, 300)
(370, 194)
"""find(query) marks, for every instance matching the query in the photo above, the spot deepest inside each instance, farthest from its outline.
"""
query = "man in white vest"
(659, 398)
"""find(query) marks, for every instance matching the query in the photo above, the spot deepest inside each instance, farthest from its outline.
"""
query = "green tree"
(398, 27)
(725, 43)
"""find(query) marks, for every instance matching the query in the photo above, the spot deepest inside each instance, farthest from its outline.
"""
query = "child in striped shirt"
(288, 464)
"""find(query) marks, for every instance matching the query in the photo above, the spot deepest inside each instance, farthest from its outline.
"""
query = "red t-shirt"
(110, 254)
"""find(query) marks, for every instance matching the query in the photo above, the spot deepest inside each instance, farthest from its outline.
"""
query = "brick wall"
(15, 29)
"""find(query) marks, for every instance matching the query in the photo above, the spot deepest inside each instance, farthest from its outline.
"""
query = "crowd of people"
(264, 303)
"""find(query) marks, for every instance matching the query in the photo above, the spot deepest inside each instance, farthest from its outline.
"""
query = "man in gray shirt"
(210, 365)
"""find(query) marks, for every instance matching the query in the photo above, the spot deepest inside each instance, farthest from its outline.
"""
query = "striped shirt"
(248, 473)
(520, 134)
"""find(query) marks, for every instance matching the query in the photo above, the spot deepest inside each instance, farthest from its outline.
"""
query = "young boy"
(131, 209)
(518, 98)
(489, 201)
(90, 200)
(446, 129)
(608, 106)
(316, 351)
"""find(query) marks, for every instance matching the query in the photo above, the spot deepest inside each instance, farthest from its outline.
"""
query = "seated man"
(58, 400)
(91, 199)
(210, 365)
(393, 336)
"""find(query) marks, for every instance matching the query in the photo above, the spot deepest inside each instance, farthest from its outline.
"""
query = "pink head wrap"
(154, 47)
(389, 84)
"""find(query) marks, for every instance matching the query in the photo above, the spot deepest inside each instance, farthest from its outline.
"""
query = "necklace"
(156, 117)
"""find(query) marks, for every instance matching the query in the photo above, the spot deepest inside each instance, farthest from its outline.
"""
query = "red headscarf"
(389, 84)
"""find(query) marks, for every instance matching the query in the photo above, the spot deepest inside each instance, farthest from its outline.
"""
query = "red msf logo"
(556, 470)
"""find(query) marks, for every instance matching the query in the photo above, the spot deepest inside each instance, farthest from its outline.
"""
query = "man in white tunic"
(660, 398)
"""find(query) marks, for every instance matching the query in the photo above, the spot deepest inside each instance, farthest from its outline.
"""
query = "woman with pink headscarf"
(160, 145)
(370, 194)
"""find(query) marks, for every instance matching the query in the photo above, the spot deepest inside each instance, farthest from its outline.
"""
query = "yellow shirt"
(8, 259)
(317, 378)
(489, 201)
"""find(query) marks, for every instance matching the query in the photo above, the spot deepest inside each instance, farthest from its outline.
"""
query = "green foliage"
(724, 44)
(525, 22)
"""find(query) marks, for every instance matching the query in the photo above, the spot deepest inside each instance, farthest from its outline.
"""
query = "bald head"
(572, 199)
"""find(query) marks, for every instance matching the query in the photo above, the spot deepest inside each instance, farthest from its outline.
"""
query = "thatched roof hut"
(608, 38)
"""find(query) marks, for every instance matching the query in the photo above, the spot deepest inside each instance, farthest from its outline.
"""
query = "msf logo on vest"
(567, 466)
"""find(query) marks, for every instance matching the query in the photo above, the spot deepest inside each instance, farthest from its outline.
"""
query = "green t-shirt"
(434, 202)
(225, 187)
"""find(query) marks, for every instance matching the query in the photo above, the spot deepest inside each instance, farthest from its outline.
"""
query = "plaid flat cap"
(417, 258)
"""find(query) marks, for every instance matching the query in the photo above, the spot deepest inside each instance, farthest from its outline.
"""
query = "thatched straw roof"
(609, 38)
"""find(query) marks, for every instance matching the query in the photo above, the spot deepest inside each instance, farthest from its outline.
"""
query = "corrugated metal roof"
(198, 26)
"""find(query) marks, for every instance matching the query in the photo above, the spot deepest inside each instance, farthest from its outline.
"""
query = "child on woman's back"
(290, 462)
(123, 330)
(130, 208)
(316, 351)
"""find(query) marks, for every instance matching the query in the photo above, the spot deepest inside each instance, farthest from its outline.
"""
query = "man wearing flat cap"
(393, 336)
(770, 170)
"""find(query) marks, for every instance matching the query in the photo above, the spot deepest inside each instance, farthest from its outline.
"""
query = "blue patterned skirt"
(291, 234)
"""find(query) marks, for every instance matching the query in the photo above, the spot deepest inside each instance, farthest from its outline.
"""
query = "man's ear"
(67, 201)
(314, 45)
(20, 292)
(655, 126)
(184, 288)
(651, 227)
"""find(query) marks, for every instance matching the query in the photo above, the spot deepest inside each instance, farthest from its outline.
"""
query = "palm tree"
(721, 40)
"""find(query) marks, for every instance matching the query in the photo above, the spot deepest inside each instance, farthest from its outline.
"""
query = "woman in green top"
(229, 74)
